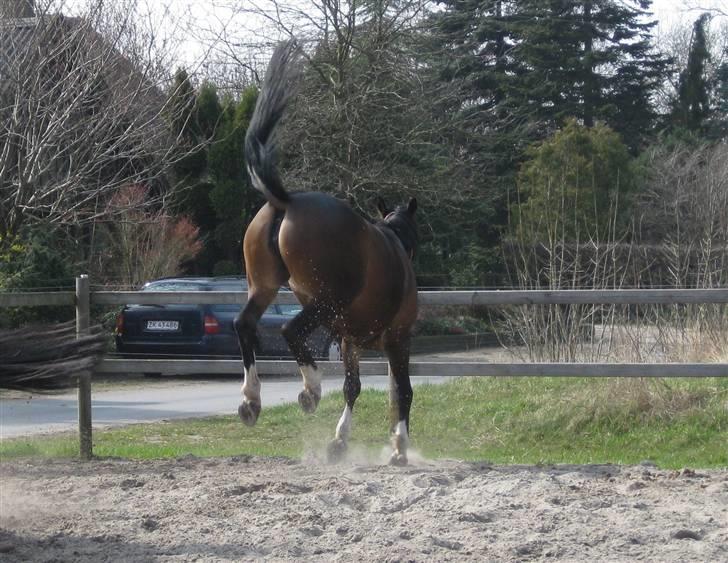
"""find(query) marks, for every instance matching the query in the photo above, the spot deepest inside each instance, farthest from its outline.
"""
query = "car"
(195, 331)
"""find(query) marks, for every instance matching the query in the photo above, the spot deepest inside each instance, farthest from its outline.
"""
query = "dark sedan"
(206, 330)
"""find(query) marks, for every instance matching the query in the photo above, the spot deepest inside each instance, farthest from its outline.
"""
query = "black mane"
(402, 223)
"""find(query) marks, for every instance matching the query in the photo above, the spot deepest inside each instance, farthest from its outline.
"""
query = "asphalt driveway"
(154, 400)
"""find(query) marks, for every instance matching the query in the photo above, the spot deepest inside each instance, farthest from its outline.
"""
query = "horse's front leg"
(400, 397)
(352, 388)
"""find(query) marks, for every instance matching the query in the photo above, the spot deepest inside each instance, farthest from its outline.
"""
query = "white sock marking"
(401, 438)
(344, 426)
(251, 385)
(311, 379)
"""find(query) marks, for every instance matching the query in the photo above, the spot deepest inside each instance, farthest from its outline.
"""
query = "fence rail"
(448, 297)
(83, 298)
(417, 368)
(426, 298)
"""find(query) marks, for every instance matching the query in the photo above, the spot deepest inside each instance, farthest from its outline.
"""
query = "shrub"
(145, 242)
(572, 184)
(38, 261)
(444, 325)
(226, 268)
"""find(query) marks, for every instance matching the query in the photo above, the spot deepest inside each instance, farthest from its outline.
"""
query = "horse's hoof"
(248, 413)
(398, 459)
(336, 450)
(308, 401)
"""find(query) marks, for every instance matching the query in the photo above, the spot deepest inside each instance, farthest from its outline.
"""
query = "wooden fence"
(82, 299)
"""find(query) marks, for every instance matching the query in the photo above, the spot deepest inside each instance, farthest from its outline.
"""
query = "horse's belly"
(365, 319)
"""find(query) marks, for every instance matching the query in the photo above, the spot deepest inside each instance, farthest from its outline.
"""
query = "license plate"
(163, 325)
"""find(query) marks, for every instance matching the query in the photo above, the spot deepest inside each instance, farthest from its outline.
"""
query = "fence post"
(83, 315)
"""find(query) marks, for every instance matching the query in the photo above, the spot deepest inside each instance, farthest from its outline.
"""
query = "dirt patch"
(245, 508)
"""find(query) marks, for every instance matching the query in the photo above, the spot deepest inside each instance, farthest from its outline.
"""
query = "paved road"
(153, 401)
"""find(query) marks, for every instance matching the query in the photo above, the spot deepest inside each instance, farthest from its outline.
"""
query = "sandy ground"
(246, 508)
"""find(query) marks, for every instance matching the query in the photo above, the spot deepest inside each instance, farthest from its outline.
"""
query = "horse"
(46, 359)
(351, 275)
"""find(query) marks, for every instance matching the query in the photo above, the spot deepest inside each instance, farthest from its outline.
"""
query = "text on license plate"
(162, 325)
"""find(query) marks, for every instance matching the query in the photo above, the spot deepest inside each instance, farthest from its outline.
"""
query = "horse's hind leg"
(245, 326)
(352, 388)
(400, 397)
(296, 332)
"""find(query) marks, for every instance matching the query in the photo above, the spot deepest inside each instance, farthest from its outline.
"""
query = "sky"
(667, 12)
(211, 15)
(671, 11)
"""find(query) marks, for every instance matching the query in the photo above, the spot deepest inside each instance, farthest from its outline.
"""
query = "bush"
(574, 186)
(448, 325)
(226, 268)
(144, 242)
(38, 261)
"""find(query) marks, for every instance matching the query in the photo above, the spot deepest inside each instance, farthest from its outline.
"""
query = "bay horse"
(351, 275)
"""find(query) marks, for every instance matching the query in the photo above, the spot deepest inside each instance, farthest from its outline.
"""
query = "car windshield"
(173, 286)
(237, 285)
(290, 310)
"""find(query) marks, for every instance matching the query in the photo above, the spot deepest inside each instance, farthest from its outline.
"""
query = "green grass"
(673, 423)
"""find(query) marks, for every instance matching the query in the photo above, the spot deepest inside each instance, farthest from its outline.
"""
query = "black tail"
(46, 359)
(260, 142)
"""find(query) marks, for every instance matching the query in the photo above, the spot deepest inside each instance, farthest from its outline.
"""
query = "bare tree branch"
(83, 112)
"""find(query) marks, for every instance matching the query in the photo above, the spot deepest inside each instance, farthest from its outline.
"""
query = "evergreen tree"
(192, 126)
(523, 68)
(233, 200)
(543, 62)
(182, 102)
(211, 182)
(473, 55)
(718, 123)
(691, 108)
(184, 125)
(590, 60)
(476, 51)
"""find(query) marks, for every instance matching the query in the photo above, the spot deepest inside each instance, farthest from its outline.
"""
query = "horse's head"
(401, 220)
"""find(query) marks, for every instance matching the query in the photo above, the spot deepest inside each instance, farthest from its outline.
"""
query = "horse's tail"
(260, 142)
(46, 359)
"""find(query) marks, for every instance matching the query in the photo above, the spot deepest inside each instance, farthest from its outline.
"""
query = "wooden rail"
(575, 297)
(427, 369)
(37, 299)
(429, 298)
(83, 298)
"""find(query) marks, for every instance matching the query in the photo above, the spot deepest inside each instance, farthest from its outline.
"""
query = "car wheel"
(334, 351)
